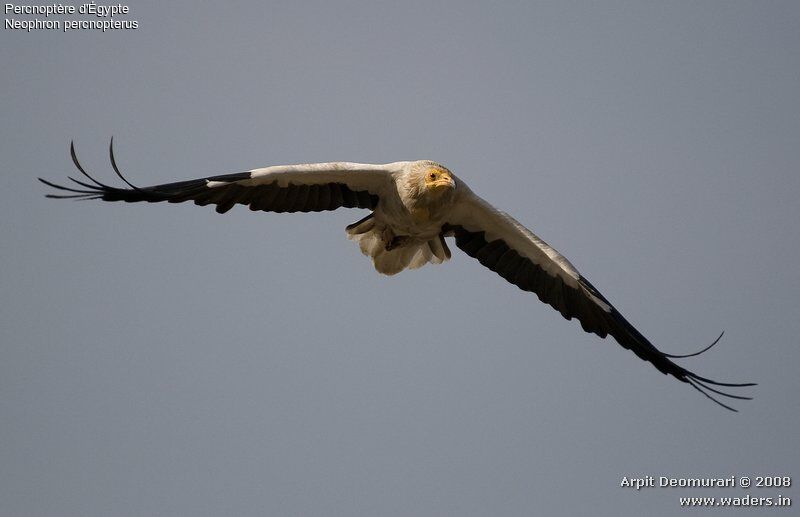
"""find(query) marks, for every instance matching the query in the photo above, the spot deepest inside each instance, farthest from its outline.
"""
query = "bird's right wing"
(505, 246)
(312, 187)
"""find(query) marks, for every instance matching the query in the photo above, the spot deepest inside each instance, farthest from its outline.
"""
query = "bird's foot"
(397, 242)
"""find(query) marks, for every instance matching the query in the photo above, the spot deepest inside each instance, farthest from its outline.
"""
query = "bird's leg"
(398, 242)
(392, 241)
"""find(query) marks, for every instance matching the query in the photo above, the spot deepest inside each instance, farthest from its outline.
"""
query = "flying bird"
(414, 206)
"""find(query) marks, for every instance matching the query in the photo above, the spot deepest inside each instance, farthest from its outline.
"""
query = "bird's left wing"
(312, 187)
(506, 247)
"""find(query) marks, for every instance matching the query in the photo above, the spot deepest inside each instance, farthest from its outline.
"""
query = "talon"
(396, 242)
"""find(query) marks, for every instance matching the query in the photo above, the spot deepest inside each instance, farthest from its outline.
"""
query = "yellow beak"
(443, 182)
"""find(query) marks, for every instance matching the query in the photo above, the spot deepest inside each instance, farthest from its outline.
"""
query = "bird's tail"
(393, 257)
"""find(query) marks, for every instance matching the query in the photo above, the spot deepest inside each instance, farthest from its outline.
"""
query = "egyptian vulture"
(413, 207)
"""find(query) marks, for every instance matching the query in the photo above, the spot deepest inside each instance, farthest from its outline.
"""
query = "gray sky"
(165, 360)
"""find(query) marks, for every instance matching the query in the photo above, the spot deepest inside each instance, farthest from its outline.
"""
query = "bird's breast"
(420, 215)
(417, 220)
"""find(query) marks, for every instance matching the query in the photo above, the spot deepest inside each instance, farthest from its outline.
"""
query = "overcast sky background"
(166, 360)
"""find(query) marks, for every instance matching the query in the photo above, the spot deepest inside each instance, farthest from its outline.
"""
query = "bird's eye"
(432, 176)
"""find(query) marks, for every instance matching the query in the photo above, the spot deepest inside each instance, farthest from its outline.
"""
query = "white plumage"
(413, 206)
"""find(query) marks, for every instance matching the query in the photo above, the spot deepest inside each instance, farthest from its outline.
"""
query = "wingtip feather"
(114, 165)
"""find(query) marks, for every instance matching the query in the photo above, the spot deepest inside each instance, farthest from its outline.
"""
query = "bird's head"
(435, 179)
(438, 179)
(427, 183)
